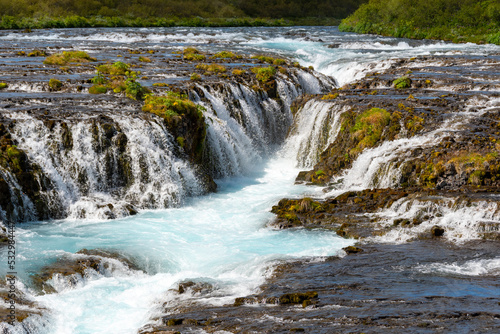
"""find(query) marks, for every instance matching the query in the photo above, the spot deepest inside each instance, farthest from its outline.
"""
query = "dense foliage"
(455, 20)
(114, 13)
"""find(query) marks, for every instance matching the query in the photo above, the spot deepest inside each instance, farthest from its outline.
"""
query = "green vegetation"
(195, 77)
(238, 72)
(226, 54)
(194, 56)
(67, 57)
(171, 105)
(98, 89)
(144, 59)
(37, 53)
(118, 78)
(475, 21)
(55, 85)
(331, 96)
(368, 128)
(3, 85)
(264, 74)
(269, 60)
(212, 68)
(34, 14)
(402, 83)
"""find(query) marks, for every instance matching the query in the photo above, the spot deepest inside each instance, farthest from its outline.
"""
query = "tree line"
(455, 20)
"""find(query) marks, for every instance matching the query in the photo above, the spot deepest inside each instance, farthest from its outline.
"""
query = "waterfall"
(106, 164)
(316, 126)
(105, 168)
(462, 219)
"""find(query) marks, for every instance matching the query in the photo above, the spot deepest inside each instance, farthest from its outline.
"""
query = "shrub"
(264, 59)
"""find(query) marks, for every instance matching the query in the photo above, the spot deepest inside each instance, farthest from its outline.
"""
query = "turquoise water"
(219, 238)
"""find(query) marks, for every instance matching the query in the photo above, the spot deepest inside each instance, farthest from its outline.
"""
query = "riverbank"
(457, 21)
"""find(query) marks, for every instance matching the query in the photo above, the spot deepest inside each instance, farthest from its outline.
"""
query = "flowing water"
(220, 238)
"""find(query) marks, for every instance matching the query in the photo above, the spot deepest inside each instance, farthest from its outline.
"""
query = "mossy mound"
(183, 118)
(67, 57)
(55, 85)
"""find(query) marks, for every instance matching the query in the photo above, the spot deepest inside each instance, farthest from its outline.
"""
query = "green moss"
(194, 56)
(226, 54)
(191, 50)
(68, 57)
(332, 96)
(3, 85)
(238, 72)
(402, 83)
(264, 59)
(368, 128)
(212, 68)
(279, 62)
(171, 105)
(117, 68)
(180, 141)
(37, 53)
(195, 77)
(55, 85)
(264, 74)
(98, 89)
(144, 59)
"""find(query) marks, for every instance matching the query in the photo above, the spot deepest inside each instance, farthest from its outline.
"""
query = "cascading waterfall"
(108, 168)
(464, 220)
(96, 176)
(316, 126)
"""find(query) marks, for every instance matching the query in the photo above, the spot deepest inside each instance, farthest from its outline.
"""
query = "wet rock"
(437, 231)
(75, 267)
(24, 307)
(352, 250)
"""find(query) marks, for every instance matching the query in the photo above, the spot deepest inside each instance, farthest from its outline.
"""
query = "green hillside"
(454, 20)
(16, 14)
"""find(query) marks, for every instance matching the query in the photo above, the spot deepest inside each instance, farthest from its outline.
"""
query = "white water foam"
(478, 267)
